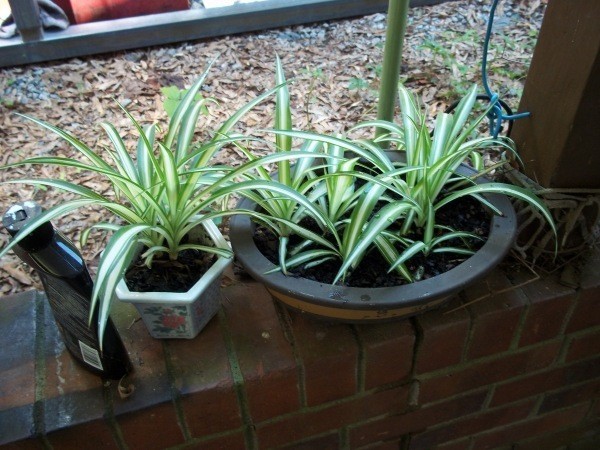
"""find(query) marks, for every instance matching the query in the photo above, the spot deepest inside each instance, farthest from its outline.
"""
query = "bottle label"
(71, 312)
(91, 356)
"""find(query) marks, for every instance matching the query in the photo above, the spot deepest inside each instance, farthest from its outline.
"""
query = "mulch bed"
(334, 65)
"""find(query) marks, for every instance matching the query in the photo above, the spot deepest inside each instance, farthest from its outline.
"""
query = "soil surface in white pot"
(169, 276)
(465, 214)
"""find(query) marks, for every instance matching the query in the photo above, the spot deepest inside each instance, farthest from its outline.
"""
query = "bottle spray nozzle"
(19, 214)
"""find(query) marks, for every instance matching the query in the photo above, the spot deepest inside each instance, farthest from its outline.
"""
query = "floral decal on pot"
(167, 322)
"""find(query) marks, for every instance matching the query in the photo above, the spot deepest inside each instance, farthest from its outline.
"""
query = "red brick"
(444, 335)
(595, 411)
(571, 396)
(25, 444)
(229, 442)
(480, 374)
(569, 437)
(584, 346)
(82, 436)
(548, 380)
(550, 303)
(329, 441)
(389, 445)
(152, 428)
(329, 355)
(590, 273)
(202, 376)
(587, 310)
(64, 375)
(494, 318)
(265, 356)
(318, 421)
(218, 411)
(17, 388)
(149, 377)
(17, 426)
(73, 396)
(462, 444)
(396, 426)
(74, 410)
(17, 341)
(378, 343)
(147, 418)
(589, 441)
(533, 427)
(471, 425)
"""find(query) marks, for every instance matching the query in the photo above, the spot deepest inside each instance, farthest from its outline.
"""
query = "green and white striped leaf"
(113, 263)
(380, 221)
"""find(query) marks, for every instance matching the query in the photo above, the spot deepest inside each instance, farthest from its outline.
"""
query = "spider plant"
(433, 159)
(315, 181)
(160, 194)
(392, 203)
(327, 192)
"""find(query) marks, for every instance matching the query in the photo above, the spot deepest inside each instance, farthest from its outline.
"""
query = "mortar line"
(361, 364)
(405, 442)
(196, 442)
(471, 443)
(416, 347)
(333, 403)
(469, 340)
(175, 394)
(285, 322)
(115, 429)
(344, 435)
(39, 409)
(591, 410)
(415, 384)
(514, 345)
(238, 383)
(536, 407)
(562, 354)
(488, 398)
(570, 312)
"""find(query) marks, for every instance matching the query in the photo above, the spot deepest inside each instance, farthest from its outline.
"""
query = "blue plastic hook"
(496, 115)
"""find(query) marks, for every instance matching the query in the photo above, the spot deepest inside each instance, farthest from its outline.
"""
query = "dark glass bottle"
(68, 286)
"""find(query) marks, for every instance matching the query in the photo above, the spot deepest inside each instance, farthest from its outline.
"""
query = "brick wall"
(516, 369)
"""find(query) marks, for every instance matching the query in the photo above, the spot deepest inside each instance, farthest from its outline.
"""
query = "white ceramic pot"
(181, 315)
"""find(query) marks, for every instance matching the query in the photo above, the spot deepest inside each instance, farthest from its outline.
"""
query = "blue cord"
(496, 115)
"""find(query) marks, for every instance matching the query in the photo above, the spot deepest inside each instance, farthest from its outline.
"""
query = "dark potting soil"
(466, 214)
(169, 276)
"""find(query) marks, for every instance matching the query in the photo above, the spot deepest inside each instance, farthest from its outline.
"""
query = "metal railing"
(34, 44)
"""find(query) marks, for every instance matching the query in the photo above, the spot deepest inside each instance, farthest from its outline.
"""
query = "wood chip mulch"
(334, 64)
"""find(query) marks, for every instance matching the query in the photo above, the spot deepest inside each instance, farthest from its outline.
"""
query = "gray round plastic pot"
(357, 305)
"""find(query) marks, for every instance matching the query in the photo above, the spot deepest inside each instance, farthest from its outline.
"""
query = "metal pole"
(392, 60)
